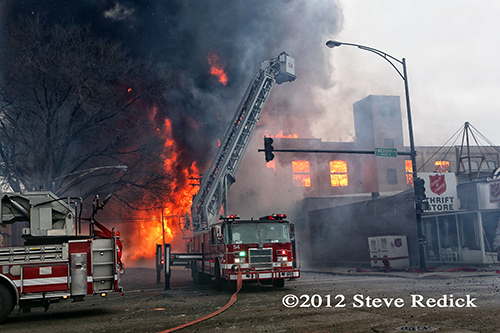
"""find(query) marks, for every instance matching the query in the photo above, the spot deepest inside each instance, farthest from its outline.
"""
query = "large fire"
(152, 227)
(216, 69)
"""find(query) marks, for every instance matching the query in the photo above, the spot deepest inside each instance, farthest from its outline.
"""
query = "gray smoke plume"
(180, 35)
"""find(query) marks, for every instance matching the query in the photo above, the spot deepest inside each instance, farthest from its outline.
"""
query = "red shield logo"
(438, 184)
(398, 242)
(495, 190)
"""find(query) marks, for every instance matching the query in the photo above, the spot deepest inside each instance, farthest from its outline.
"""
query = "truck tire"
(6, 303)
(199, 278)
(194, 273)
(203, 278)
(220, 282)
(279, 283)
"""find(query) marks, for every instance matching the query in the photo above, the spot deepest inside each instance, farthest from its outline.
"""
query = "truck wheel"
(194, 273)
(220, 282)
(6, 303)
(199, 278)
(203, 278)
(279, 283)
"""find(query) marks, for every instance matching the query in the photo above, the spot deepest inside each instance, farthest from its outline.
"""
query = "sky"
(450, 47)
(452, 52)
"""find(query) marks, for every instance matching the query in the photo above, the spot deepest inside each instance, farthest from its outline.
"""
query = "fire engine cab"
(263, 250)
(56, 262)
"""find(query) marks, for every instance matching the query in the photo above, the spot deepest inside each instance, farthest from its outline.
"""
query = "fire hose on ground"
(233, 299)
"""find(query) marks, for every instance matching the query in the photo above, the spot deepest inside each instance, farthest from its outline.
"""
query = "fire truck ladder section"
(221, 173)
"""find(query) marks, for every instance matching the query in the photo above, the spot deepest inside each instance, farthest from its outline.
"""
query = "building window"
(473, 164)
(392, 176)
(301, 173)
(389, 143)
(338, 173)
(442, 166)
(409, 172)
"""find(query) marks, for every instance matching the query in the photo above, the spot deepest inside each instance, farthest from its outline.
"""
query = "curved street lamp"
(393, 61)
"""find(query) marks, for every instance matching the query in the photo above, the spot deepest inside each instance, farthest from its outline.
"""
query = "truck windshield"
(258, 233)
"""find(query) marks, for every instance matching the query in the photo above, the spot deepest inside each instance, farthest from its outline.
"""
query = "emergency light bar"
(274, 217)
(229, 217)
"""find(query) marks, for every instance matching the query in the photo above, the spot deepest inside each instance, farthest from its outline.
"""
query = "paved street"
(343, 300)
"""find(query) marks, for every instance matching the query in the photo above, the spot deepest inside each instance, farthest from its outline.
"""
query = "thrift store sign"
(441, 191)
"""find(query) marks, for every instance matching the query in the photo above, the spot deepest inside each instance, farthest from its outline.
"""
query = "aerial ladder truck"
(56, 262)
(228, 244)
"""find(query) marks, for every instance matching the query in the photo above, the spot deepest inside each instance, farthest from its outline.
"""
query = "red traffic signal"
(420, 189)
(268, 148)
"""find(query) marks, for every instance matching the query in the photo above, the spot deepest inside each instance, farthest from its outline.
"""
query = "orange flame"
(163, 225)
(216, 69)
(280, 135)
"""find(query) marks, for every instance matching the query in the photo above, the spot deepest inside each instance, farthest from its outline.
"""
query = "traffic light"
(420, 189)
(268, 149)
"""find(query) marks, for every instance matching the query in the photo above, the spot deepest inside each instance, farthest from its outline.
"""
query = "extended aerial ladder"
(221, 173)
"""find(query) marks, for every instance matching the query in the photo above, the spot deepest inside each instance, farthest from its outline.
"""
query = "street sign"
(386, 152)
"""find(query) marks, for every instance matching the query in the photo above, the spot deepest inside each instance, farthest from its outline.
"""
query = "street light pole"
(418, 203)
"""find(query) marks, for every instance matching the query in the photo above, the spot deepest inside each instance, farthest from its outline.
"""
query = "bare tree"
(73, 109)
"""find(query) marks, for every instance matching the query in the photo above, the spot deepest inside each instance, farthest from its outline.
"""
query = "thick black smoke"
(179, 35)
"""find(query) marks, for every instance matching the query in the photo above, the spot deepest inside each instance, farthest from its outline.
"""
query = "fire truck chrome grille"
(261, 259)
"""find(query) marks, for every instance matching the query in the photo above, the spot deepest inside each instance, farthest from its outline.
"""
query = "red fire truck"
(55, 262)
(263, 249)
(222, 247)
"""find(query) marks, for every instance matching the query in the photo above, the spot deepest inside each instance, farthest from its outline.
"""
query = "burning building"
(377, 124)
(349, 197)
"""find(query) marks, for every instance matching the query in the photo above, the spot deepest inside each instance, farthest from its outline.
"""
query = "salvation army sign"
(494, 189)
(437, 184)
(441, 191)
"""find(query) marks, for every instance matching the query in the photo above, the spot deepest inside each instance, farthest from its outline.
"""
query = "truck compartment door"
(45, 278)
(78, 273)
(103, 264)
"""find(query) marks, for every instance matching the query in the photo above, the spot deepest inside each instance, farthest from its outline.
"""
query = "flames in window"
(338, 173)
(442, 166)
(301, 173)
(409, 172)
(271, 165)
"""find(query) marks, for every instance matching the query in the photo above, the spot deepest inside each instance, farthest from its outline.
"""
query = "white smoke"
(119, 12)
